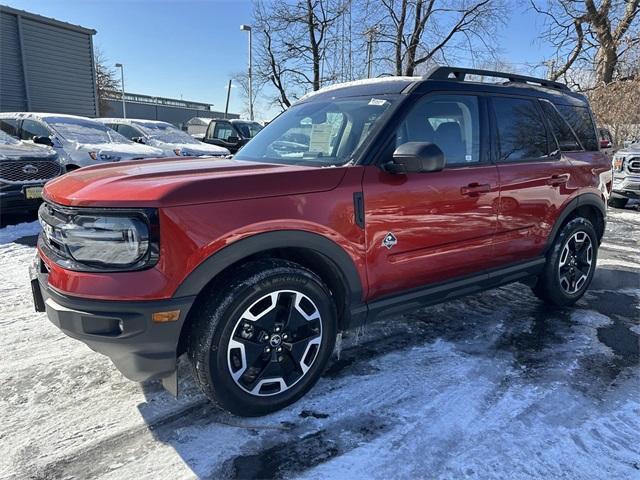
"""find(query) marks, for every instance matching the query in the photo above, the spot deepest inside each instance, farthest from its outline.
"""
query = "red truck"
(358, 203)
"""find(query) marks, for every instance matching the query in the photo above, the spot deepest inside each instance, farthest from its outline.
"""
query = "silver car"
(163, 135)
(79, 141)
(626, 176)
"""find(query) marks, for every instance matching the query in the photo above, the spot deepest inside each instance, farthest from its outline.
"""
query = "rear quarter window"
(580, 120)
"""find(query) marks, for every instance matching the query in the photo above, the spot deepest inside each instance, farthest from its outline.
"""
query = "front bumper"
(13, 198)
(123, 331)
(627, 186)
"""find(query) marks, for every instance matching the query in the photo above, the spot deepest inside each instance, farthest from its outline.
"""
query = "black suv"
(231, 134)
(24, 169)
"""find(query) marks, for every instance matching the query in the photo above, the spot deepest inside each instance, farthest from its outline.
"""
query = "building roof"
(47, 20)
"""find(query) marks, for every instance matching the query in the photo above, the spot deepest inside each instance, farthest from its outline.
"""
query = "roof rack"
(459, 74)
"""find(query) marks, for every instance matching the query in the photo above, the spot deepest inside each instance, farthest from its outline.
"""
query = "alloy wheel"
(274, 343)
(576, 262)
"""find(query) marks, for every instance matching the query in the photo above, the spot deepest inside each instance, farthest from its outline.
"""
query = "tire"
(567, 274)
(260, 341)
(617, 202)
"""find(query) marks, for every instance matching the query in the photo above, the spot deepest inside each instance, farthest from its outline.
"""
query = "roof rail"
(459, 74)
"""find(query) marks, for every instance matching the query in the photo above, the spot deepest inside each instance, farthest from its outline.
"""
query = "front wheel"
(262, 341)
(571, 264)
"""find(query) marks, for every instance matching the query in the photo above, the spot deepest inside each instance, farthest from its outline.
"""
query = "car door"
(431, 227)
(534, 176)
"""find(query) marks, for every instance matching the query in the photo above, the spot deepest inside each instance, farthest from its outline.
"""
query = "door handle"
(475, 189)
(558, 179)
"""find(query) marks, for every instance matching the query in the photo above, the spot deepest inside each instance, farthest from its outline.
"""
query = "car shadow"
(541, 342)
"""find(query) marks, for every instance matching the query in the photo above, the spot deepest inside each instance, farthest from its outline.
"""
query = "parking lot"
(482, 387)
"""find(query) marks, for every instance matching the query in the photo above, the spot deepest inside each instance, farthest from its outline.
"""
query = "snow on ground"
(496, 385)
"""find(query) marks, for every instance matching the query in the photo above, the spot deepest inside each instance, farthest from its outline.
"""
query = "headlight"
(82, 239)
(177, 151)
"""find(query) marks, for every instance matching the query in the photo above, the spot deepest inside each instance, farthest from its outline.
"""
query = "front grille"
(25, 171)
(634, 165)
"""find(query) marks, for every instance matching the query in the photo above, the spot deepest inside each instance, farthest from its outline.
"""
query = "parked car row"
(36, 147)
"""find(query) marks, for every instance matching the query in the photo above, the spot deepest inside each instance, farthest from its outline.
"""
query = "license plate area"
(33, 193)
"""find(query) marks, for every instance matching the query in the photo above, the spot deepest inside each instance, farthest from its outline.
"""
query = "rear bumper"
(123, 331)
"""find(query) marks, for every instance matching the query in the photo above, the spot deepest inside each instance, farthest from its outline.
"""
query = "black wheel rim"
(274, 343)
(576, 262)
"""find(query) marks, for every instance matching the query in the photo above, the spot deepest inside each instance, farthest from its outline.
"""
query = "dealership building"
(47, 65)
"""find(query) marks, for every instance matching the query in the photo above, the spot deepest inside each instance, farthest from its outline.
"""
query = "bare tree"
(413, 33)
(591, 35)
(106, 81)
(241, 80)
(297, 45)
(615, 105)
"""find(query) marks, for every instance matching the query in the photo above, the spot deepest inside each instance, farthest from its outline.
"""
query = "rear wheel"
(260, 343)
(571, 264)
(618, 202)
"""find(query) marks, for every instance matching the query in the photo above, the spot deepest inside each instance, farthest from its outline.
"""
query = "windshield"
(165, 132)
(317, 133)
(6, 139)
(83, 130)
(248, 129)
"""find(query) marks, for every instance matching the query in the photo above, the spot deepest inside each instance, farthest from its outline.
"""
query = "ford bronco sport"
(360, 202)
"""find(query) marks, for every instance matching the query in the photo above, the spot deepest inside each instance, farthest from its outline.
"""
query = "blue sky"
(190, 48)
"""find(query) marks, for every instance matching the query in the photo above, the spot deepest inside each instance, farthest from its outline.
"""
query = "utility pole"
(371, 33)
(247, 28)
(226, 107)
(124, 106)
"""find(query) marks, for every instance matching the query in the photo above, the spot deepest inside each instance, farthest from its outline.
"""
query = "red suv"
(360, 202)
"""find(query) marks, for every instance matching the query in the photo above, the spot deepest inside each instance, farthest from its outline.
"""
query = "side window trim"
(550, 128)
(484, 127)
(496, 137)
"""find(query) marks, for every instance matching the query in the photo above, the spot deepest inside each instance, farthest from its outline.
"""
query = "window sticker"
(377, 102)
(320, 141)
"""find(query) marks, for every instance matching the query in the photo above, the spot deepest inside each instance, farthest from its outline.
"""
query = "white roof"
(199, 121)
(130, 120)
(364, 81)
(42, 115)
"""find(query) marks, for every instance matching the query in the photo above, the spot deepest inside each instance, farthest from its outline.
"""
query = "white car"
(79, 141)
(165, 136)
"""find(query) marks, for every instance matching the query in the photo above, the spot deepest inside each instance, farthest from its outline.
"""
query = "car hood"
(193, 148)
(25, 150)
(123, 150)
(630, 150)
(184, 181)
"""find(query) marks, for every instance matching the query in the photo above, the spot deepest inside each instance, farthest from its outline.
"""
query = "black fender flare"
(235, 252)
(585, 199)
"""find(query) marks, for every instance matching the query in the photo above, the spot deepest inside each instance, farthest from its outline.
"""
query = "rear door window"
(223, 131)
(522, 135)
(561, 130)
(580, 120)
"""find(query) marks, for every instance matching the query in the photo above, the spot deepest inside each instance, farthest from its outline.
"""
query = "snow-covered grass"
(11, 233)
(495, 385)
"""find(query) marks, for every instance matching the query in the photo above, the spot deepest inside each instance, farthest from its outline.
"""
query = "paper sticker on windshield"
(320, 141)
(377, 102)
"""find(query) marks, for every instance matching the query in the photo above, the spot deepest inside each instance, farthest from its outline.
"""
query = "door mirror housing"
(42, 140)
(416, 157)
(233, 139)
(138, 140)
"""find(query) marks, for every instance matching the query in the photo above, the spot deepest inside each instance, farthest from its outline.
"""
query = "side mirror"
(42, 140)
(416, 157)
(233, 139)
(138, 139)
(605, 144)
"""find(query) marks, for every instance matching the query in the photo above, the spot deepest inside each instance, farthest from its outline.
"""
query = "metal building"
(46, 65)
(171, 110)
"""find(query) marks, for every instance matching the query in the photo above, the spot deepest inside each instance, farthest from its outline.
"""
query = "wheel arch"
(317, 253)
(587, 205)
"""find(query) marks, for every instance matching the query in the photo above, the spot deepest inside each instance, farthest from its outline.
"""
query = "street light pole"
(247, 28)
(124, 107)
